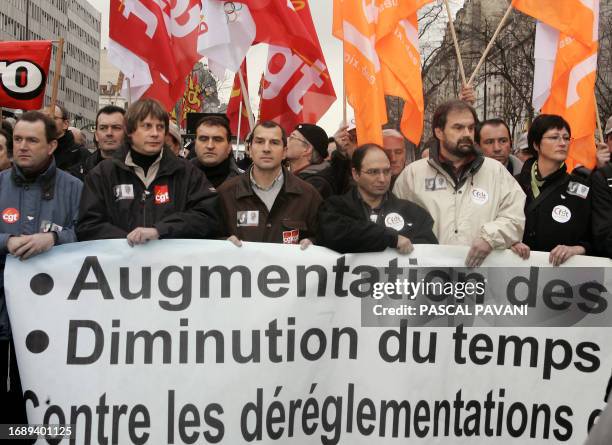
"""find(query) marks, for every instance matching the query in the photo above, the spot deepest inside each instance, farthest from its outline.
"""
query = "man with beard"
(473, 200)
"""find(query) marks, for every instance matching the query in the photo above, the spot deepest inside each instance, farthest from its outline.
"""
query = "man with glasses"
(474, 201)
(69, 156)
(268, 203)
(369, 218)
(306, 152)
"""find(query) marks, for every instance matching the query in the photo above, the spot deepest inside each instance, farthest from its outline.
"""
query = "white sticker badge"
(395, 221)
(479, 196)
(561, 214)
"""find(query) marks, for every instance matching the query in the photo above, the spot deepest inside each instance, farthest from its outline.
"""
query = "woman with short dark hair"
(558, 205)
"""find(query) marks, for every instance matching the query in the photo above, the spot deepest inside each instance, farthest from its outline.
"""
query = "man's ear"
(355, 174)
(52, 146)
(439, 133)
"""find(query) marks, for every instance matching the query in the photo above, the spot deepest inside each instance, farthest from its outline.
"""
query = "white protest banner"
(190, 341)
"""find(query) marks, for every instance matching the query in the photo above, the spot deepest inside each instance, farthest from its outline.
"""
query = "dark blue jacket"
(48, 203)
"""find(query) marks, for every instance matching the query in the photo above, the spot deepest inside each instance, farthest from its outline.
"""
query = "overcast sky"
(256, 58)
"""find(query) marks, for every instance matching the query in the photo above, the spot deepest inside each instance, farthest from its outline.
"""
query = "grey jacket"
(48, 203)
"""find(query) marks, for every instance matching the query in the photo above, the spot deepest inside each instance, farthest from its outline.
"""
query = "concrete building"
(110, 90)
(79, 24)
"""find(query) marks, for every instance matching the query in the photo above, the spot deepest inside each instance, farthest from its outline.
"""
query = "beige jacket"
(489, 204)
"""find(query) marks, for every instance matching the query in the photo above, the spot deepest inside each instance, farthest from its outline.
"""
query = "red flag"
(157, 45)
(24, 67)
(236, 105)
(285, 23)
(297, 85)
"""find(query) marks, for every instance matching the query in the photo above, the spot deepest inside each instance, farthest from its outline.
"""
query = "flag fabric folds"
(381, 56)
(297, 86)
(236, 106)
(155, 45)
(565, 69)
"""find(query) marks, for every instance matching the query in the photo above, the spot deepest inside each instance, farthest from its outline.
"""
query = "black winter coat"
(344, 225)
(561, 214)
(601, 186)
(179, 203)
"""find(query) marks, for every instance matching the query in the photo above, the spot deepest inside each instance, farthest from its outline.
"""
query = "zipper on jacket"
(143, 200)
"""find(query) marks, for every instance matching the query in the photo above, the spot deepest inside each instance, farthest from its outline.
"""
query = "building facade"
(79, 24)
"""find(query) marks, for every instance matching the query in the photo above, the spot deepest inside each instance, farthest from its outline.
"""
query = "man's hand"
(521, 250)
(27, 246)
(305, 243)
(404, 245)
(602, 155)
(342, 138)
(235, 241)
(561, 254)
(468, 94)
(478, 252)
(141, 235)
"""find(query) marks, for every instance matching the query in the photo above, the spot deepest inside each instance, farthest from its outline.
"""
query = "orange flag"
(565, 71)
(398, 48)
(381, 56)
(355, 24)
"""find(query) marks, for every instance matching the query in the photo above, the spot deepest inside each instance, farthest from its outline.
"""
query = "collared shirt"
(372, 213)
(268, 195)
(147, 179)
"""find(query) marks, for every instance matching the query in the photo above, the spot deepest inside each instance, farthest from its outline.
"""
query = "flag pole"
(56, 75)
(239, 124)
(456, 42)
(343, 88)
(129, 90)
(247, 102)
(490, 45)
(599, 127)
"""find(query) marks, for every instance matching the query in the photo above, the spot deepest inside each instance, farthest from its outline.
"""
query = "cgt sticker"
(291, 236)
(561, 214)
(161, 193)
(10, 215)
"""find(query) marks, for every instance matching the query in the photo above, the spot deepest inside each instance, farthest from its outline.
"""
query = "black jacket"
(344, 224)
(69, 156)
(219, 174)
(561, 214)
(601, 186)
(179, 203)
(321, 177)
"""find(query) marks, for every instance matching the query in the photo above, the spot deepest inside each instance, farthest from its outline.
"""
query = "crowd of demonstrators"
(139, 189)
(268, 203)
(306, 152)
(473, 199)
(145, 192)
(39, 210)
(369, 218)
(213, 149)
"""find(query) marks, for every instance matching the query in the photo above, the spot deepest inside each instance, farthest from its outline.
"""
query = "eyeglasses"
(303, 141)
(377, 171)
(558, 138)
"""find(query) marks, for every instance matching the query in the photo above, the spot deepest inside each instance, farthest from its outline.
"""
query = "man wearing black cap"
(306, 152)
